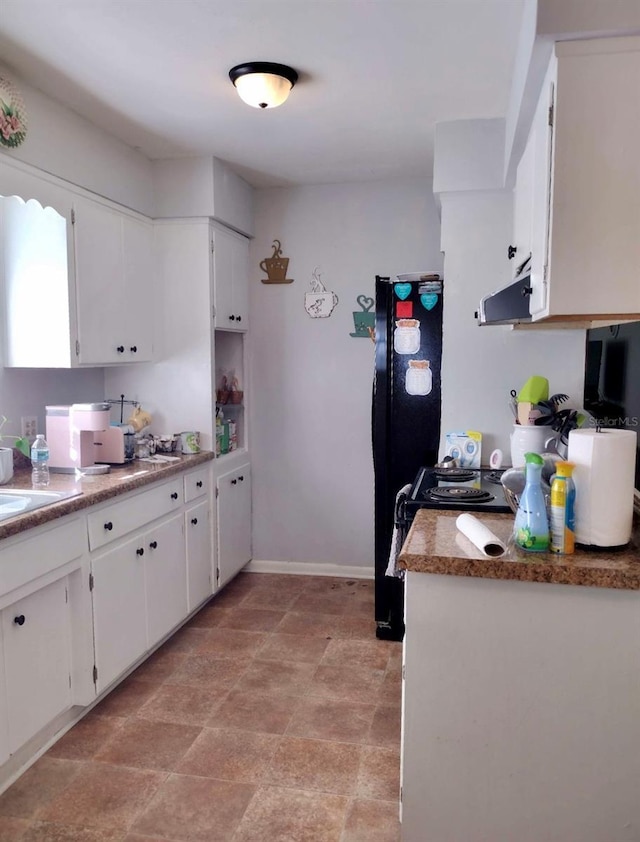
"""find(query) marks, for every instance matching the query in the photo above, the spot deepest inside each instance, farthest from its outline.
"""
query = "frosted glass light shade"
(263, 84)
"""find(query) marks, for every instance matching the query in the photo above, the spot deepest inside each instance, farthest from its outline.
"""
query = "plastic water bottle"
(40, 461)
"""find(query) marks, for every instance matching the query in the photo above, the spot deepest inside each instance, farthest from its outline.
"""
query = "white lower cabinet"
(233, 492)
(166, 582)
(197, 529)
(119, 621)
(150, 565)
(36, 642)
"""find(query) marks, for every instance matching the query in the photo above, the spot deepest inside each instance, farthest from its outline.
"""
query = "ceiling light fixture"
(263, 84)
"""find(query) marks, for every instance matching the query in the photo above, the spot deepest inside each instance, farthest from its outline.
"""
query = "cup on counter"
(190, 441)
(527, 439)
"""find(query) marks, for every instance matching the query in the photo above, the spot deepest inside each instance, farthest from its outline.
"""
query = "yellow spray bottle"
(562, 511)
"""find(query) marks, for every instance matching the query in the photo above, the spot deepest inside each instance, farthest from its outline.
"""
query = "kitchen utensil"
(560, 397)
(513, 403)
(524, 411)
(535, 389)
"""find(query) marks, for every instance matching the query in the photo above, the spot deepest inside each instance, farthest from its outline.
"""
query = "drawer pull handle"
(199, 484)
(134, 349)
(154, 545)
(234, 482)
(140, 551)
(120, 349)
(241, 479)
(194, 520)
(19, 620)
(239, 318)
(232, 318)
(108, 526)
(174, 496)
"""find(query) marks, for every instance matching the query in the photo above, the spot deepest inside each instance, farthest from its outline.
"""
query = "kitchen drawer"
(118, 519)
(196, 484)
(26, 559)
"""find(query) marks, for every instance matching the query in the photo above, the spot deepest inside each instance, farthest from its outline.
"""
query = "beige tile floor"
(273, 716)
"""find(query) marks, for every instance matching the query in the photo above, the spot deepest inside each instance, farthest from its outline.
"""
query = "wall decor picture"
(276, 266)
(364, 320)
(320, 302)
(13, 115)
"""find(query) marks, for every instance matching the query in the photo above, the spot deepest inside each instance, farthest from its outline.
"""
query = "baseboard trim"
(312, 568)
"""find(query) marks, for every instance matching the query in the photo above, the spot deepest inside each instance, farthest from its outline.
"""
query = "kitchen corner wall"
(482, 364)
(311, 382)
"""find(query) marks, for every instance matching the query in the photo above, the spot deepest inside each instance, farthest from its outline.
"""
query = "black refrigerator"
(405, 415)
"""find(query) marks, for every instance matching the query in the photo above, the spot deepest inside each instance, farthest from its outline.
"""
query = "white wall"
(61, 142)
(311, 382)
(481, 364)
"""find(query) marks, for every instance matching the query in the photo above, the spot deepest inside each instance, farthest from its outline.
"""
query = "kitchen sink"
(14, 501)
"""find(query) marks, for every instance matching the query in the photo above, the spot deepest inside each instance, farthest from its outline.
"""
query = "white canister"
(6, 464)
(527, 439)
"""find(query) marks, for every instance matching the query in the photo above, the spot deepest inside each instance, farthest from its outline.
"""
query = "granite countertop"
(93, 489)
(435, 545)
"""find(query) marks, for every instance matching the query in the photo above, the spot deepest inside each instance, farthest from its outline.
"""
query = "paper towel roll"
(604, 475)
(480, 535)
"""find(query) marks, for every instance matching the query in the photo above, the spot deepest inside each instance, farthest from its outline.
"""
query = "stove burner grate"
(459, 493)
(454, 474)
(494, 477)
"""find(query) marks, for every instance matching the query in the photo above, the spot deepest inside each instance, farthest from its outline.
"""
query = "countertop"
(434, 545)
(93, 489)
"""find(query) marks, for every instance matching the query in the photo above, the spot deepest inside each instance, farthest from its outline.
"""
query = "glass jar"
(419, 378)
(406, 336)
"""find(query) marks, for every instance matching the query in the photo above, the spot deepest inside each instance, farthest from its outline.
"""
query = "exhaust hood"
(507, 306)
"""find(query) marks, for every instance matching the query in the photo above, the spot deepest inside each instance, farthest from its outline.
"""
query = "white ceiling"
(375, 76)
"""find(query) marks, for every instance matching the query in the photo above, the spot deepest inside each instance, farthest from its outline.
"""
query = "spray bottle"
(563, 496)
(531, 529)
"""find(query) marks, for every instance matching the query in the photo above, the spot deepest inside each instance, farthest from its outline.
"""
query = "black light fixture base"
(283, 70)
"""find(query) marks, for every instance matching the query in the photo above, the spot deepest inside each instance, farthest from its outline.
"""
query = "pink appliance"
(70, 431)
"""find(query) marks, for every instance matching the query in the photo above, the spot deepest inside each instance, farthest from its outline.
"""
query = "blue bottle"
(531, 530)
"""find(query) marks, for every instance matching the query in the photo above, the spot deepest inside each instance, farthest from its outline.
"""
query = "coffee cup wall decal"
(276, 266)
(319, 303)
(364, 321)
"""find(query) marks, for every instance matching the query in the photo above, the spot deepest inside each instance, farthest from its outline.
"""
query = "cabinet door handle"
(19, 620)
(154, 545)
(511, 252)
(108, 526)
(174, 496)
(134, 349)
(239, 318)
(194, 520)
(140, 551)
(232, 318)
(241, 479)
(199, 484)
(120, 349)
(234, 482)
(525, 291)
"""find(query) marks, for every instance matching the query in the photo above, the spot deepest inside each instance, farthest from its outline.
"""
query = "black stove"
(461, 489)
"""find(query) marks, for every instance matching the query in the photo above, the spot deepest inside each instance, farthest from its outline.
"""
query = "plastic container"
(40, 462)
(562, 510)
(531, 528)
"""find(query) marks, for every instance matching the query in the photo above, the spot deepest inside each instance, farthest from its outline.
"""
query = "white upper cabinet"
(77, 277)
(584, 198)
(113, 254)
(230, 280)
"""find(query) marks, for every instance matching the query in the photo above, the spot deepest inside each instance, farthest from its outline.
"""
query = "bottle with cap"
(562, 510)
(40, 462)
(531, 528)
